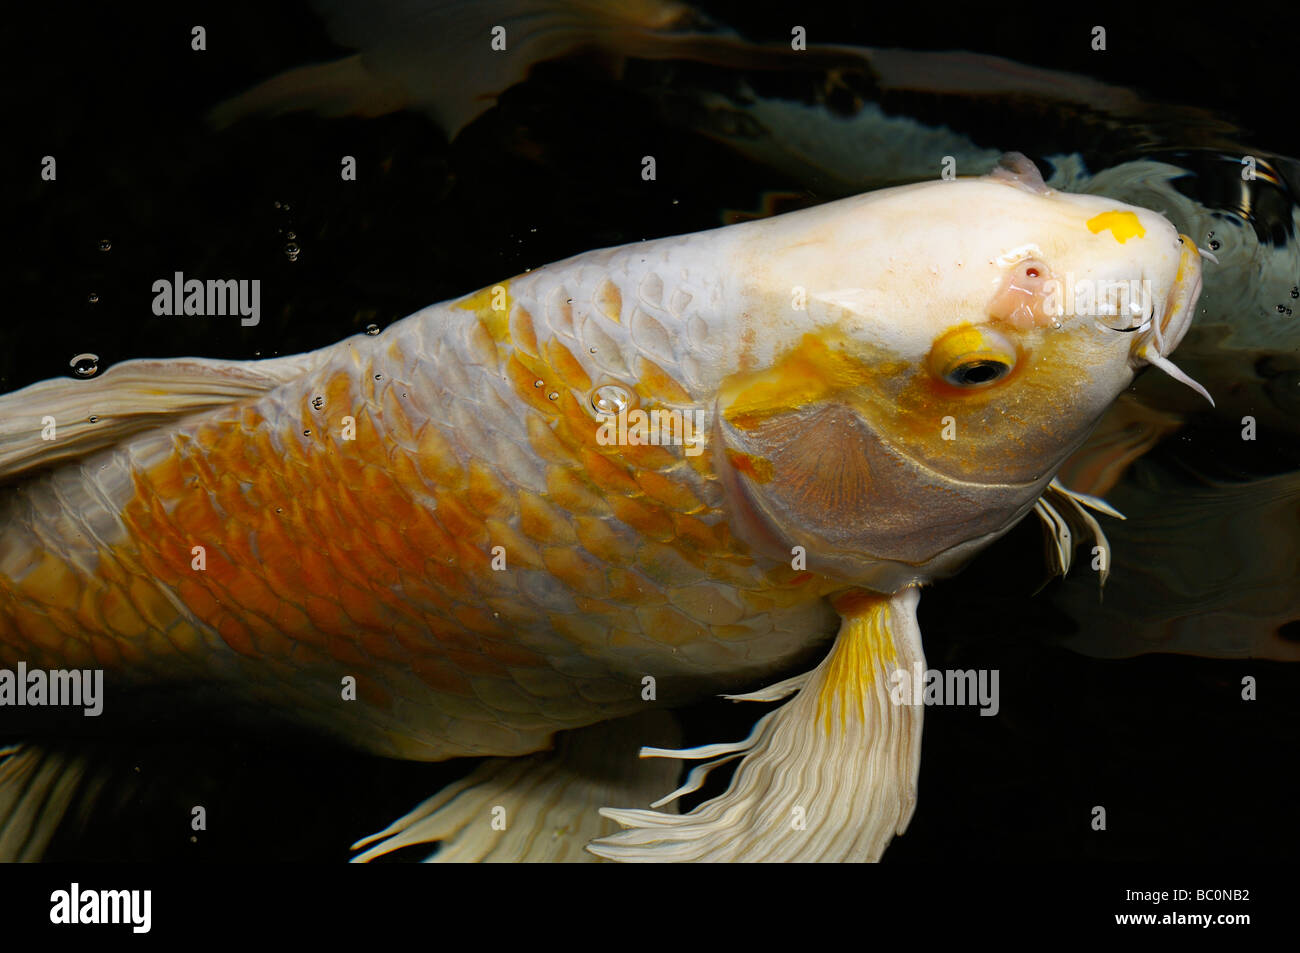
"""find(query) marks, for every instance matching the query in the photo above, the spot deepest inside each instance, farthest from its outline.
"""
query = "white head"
(958, 340)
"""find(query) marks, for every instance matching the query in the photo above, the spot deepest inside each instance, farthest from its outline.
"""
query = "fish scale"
(372, 557)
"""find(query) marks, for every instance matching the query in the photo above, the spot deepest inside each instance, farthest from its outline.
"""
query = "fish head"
(918, 362)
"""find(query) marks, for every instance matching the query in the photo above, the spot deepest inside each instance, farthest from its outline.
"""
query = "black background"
(1186, 770)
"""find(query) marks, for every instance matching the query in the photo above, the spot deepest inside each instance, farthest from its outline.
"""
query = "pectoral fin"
(829, 776)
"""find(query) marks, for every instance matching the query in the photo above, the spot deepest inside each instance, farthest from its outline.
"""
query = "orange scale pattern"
(372, 557)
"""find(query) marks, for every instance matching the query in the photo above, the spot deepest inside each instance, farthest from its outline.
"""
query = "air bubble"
(1295, 292)
(292, 251)
(539, 383)
(610, 399)
(372, 329)
(1215, 244)
(554, 395)
(306, 433)
(85, 365)
(93, 419)
(93, 298)
(318, 402)
(105, 245)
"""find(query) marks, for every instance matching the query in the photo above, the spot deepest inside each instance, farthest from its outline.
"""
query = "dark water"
(1185, 768)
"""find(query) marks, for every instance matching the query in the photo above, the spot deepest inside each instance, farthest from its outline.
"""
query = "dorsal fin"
(128, 398)
(1015, 168)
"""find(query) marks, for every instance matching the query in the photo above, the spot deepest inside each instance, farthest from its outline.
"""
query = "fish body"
(457, 538)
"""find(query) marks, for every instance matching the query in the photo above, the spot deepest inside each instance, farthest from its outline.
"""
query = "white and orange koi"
(432, 514)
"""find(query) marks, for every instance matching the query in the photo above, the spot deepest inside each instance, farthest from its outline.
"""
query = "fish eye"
(977, 373)
(971, 357)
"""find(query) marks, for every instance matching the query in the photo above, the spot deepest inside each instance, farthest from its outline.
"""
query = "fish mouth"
(1166, 330)
(1181, 302)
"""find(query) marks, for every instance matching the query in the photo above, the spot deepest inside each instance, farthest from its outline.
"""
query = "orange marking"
(652, 522)
(566, 366)
(547, 445)
(654, 383)
(609, 301)
(581, 574)
(607, 474)
(521, 330)
(667, 625)
(542, 522)
(570, 491)
(669, 492)
(487, 494)
(597, 537)
(756, 468)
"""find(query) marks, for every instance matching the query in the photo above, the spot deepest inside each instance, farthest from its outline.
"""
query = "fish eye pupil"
(975, 373)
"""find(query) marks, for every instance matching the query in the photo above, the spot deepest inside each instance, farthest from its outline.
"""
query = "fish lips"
(1171, 325)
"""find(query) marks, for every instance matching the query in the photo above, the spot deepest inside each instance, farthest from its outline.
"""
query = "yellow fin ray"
(829, 776)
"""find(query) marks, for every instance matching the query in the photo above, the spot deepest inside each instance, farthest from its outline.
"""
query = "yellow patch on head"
(1122, 225)
(809, 372)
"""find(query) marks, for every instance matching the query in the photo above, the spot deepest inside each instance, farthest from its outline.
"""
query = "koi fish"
(430, 543)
